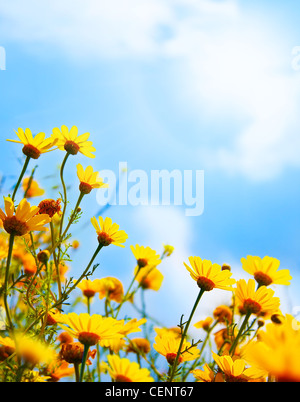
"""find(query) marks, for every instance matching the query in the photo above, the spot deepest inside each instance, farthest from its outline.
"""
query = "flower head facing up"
(108, 232)
(69, 141)
(265, 270)
(123, 370)
(89, 179)
(91, 329)
(145, 257)
(34, 146)
(209, 276)
(89, 288)
(24, 220)
(253, 301)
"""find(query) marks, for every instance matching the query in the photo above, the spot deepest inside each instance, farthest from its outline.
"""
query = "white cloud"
(229, 63)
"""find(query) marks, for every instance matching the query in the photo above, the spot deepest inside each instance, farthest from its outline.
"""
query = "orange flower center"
(142, 262)
(71, 147)
(89, 293)
(122, 378)
(88, 338)
(31, 151)
(251, 306)
(262, 279)
(85, 188)
(104, 239)
(171, 357)
(15, 227)
(205, 283)
(50, 207)
(72, 352)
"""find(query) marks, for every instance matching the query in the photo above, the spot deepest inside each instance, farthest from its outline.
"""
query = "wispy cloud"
(230, 63)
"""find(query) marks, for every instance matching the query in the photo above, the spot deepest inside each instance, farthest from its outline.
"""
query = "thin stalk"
(84, 357)
(20, 177)
(81, 195)
(8, 261)
(183, 336)
(127, 293)
(244, 323)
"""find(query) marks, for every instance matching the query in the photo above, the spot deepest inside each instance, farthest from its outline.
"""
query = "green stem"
(81, 195)
(9, 255)
(244, 323)
(127, 293)
(20, 177)
(183, 336)
(64, 190)
(84, 357)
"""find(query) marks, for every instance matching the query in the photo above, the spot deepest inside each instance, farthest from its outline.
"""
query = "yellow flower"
(69, 141)
(145, 256)
(249, 300)
(89, 288)
(139, 345)
(168, 345)
(168, 250)
(33, 351)
(235, 369)
(89, 179)
(223, 314)
(111, 288)
(24, 220)
(205, 324)
(89, 330)
(265, 270)
(205, 375)
(277, 350)
(123, 370)
(31, 188)
(34, 146)
(108, 232)
(149, 278)
(209, 276)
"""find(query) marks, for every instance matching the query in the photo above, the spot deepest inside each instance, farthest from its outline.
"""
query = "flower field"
(44, 337)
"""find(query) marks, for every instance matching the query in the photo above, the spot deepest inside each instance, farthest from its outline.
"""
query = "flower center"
(262, 279)
(89, 293)
(85, 188)
(205, 283)
(251, 306)
(122, 378)
(88, 338)
(15, 227)
(31, 151)
(50, 207)
(71, 147)
(171, 357)
(142, 262)
(104, 239)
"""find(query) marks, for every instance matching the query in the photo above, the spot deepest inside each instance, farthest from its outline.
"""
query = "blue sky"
(200, 85)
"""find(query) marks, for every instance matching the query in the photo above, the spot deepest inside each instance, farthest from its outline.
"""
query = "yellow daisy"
(205, 375)
(32, 188)
(265, 270)
(111, 288)
(89, 179)
(209, 276)
(69, 141)
(149, 278)
(249, 300)
(91, 329)
(34, 146)
(145, 256)
(277, 350)
(168, 345)
(235, 369)
(24, 220)
(123, 370)
(33, 351)
(89, 288)
(108, 232)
